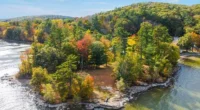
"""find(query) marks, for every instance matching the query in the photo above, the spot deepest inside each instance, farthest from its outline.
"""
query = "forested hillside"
(134, 40)
(177, 18)
(41, 17)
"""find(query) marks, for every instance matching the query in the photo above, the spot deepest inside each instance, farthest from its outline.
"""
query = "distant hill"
(126, 20)
(37, 17)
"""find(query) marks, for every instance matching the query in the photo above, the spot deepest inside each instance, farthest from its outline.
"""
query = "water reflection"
(184, 95)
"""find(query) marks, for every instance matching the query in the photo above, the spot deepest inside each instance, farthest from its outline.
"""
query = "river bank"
(190, 59)
(117, 101)
(120, 99)
(18, 42)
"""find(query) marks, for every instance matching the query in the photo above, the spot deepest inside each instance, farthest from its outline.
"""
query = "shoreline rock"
(120, 99)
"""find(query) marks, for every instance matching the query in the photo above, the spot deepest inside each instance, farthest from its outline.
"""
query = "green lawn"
(193, 61)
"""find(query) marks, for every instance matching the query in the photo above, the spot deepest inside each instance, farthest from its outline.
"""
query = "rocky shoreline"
(18, 41)
(118, 101)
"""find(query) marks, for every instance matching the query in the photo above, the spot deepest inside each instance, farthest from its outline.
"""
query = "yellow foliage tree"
(87, 87)
(49, 94)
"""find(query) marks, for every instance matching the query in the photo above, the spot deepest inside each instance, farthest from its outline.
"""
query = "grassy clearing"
(193, 61)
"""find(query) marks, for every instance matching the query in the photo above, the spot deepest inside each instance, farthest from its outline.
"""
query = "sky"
(74, 8)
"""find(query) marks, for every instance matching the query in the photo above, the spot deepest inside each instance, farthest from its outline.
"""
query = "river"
(183, 95)
(13, 96)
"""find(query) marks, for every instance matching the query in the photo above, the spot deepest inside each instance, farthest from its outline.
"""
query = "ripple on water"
(13, 96)
(183, 95)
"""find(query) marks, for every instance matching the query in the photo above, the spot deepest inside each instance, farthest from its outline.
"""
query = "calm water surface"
(183, 95)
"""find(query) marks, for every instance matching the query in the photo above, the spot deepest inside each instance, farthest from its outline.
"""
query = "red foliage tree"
(83, 45)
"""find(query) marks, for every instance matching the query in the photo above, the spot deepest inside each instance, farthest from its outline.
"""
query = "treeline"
(125, 21)
(32, 18)
(135, 40)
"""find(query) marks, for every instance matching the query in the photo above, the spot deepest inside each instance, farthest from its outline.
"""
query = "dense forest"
(136, 41)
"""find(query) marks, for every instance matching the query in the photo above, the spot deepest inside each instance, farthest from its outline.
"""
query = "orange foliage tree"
(196, 39)
(83, 47)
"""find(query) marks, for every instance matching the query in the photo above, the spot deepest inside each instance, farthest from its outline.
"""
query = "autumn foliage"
(83, 45)
(87, 87)
(196, 39)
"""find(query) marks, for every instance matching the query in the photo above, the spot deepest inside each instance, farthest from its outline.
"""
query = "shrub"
(146, 77)
(121, 85)
(49, 94)
(25, 69)
(76, 88)
(167, 71)
(40, 76)
(87, 87)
